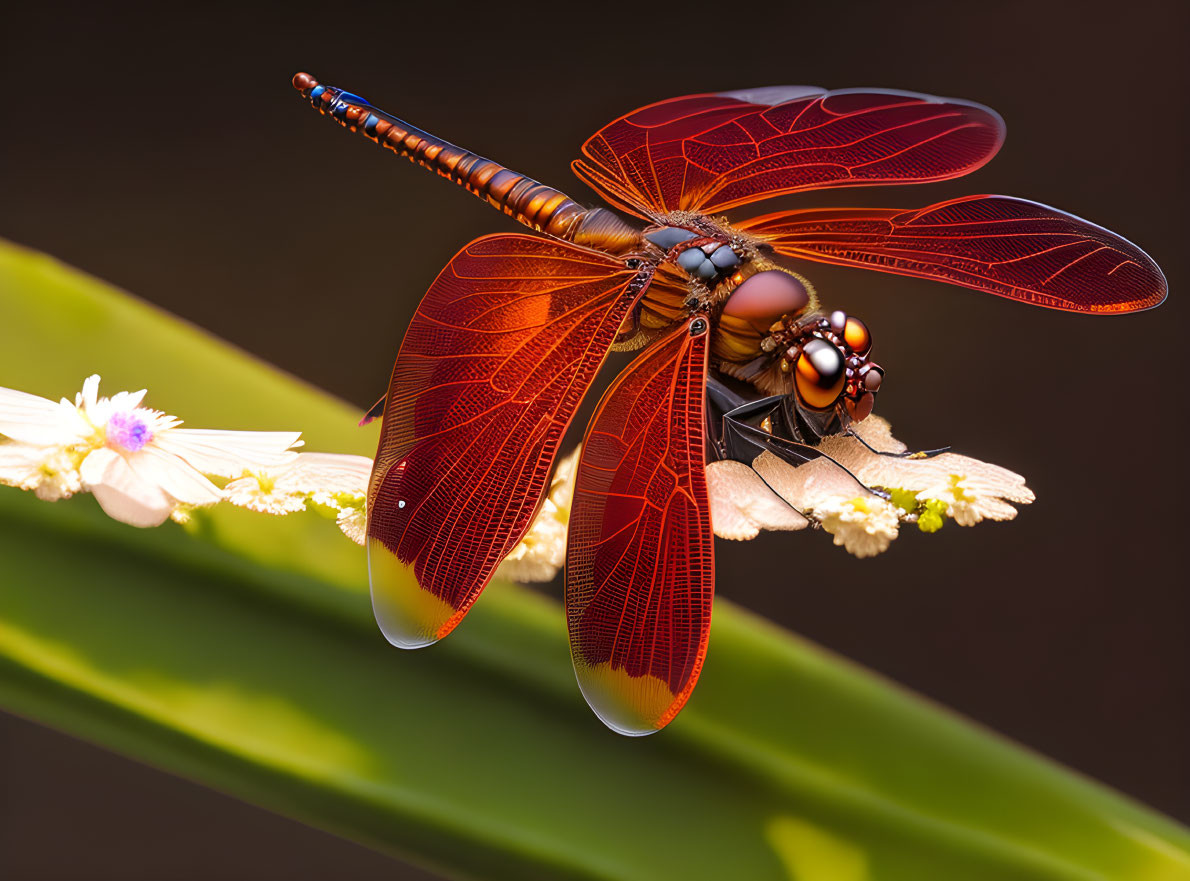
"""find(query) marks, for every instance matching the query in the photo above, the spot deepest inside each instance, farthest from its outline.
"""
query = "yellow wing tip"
(408, 616)
(631, 705)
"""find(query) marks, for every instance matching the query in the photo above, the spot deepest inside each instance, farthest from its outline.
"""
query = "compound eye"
(857, 336)
(819, 374)
(765, 297)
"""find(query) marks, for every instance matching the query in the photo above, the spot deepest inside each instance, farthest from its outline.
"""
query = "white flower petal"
(229, 453)
(983, 478)
(126, 401)
(325, 473)
(35, 420)
(87, 398)
(742, 504)
(20, 463)
(877, 433)
(123, 494)
(809, 485)
(174, 475)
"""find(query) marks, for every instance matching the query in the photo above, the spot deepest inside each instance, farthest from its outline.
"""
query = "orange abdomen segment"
(534, 204)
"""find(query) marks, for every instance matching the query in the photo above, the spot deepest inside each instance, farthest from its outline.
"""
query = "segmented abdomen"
(534, 204)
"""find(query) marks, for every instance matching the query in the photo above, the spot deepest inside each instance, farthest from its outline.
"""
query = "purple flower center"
(128, 431)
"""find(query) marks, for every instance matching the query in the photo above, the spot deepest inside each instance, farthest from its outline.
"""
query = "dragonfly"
(735, 354)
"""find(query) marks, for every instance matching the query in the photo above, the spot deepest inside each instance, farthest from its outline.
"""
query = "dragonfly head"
(835, 381)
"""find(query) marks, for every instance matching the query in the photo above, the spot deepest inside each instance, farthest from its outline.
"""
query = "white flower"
(971, 490)
(863, 526)
(50, 472)
(742, 504)
(138, 463)
(833, 490)
(182, 514)
(334, 480)
(542, 552)
(318, 477)
(969, 500)
(354, 523)
(259, 492)
(810, 485)
(143, 468)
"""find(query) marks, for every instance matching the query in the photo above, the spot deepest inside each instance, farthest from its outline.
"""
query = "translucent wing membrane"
(640, 560)
(495, 361)
(712, 152)
(1010, 247)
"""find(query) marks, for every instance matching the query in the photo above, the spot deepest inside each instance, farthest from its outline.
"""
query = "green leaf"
(242, 654)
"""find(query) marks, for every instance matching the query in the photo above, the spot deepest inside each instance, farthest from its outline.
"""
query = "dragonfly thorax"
(704, 260)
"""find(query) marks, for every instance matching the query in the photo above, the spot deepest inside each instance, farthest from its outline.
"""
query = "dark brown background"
(165, 151)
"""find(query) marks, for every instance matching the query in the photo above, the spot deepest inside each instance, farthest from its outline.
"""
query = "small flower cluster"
(330, 480)
(861, 490)
(143, 468)
(542, 552)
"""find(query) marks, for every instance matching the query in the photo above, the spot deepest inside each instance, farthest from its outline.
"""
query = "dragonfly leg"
(920, 454)
(744, 429)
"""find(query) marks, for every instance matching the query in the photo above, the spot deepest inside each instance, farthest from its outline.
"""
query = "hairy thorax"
(706, 265)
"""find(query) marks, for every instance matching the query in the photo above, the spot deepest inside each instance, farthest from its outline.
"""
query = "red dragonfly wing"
(640, 557)
(497, 358)
(712, 152)
(1009, 247)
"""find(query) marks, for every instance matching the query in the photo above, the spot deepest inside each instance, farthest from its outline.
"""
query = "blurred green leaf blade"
(244, 655)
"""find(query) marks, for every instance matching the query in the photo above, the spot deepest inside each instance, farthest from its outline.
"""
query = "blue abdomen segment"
(335, 102)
